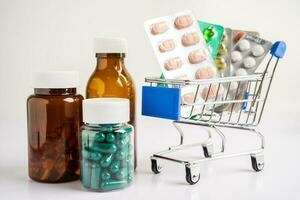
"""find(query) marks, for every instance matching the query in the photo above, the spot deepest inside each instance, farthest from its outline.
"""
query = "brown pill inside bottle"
(167, 45)
(189, 39)
(197, 56)
(173, 63)
(183, 21)
(159, 28)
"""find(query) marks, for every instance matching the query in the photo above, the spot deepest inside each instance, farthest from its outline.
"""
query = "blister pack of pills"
(212, 34)
(179, 46)
(248, 53)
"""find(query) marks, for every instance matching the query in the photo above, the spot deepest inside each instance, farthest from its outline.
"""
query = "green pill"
(121, 154)
(94, 156)
(115, 166)
(121, 174)
(85, 173)
(130, 178)
(99, 137)
(105, 175)
(122, 142)
(106, 160)
(113, 184)
(110, 137)
(95, 176)
(105, 148)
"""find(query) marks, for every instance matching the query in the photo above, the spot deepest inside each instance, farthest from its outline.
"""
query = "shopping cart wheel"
(191, 175)
(155, 167)
(257, 162)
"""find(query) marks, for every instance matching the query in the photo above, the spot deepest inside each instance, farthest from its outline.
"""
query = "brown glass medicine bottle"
(54, 118)
(111, 78)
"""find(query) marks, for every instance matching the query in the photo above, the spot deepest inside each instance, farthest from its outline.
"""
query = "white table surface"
(223, 179)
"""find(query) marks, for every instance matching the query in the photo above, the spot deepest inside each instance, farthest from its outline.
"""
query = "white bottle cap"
(55, 79)
(105, 110)
(110, 45)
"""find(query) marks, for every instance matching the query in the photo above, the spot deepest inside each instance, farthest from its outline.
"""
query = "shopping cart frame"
(238, 112)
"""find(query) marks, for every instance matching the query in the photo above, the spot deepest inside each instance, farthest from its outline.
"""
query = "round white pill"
(236, 56)
(241, 72)
(257, 50)
(249, 62)
(244, 45)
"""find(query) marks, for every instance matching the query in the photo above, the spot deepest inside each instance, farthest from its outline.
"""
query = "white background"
(58, 34)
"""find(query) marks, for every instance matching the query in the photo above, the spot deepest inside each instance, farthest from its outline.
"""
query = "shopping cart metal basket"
(241, 107)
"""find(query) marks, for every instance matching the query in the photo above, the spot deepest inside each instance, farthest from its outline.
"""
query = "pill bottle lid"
(55, 79)
(110, 45)
(105, 110)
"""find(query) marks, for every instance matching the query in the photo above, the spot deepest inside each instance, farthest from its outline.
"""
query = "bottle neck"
(57, 92)
(110, 61)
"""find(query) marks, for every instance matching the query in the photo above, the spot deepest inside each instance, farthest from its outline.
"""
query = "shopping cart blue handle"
(278, 49)
(161, 102)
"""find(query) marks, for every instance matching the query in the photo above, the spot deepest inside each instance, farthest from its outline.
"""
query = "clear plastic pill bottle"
(107, 157)
(54, 118)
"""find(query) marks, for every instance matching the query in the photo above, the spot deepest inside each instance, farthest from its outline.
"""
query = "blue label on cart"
(161, 102)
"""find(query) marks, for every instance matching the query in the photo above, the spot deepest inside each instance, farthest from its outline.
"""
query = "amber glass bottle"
(111, 78)
(54, 117)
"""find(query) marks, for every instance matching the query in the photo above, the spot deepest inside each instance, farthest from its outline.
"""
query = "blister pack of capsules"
(212, 34)
(222, 61)
(179, 46)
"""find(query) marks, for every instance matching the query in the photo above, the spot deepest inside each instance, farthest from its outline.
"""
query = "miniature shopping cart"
(240, 107)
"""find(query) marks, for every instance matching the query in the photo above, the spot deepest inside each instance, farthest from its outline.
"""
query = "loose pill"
(257, 50)
(173, 63)
(106, 160)
(205, 73)
(121, 155)
(166, 45)
(189, 39)
(105, 148)
(122, 142)
(236, 56)
(159, 28)
(241, 72)
(249, 62)
(113, 184)
(95, 156)
(121, 174)
(115, 166)
(105, 175)
(110, 137)
(99, 137)
(244, 45)
(197, 56)
(183, 21)
(188, 98)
